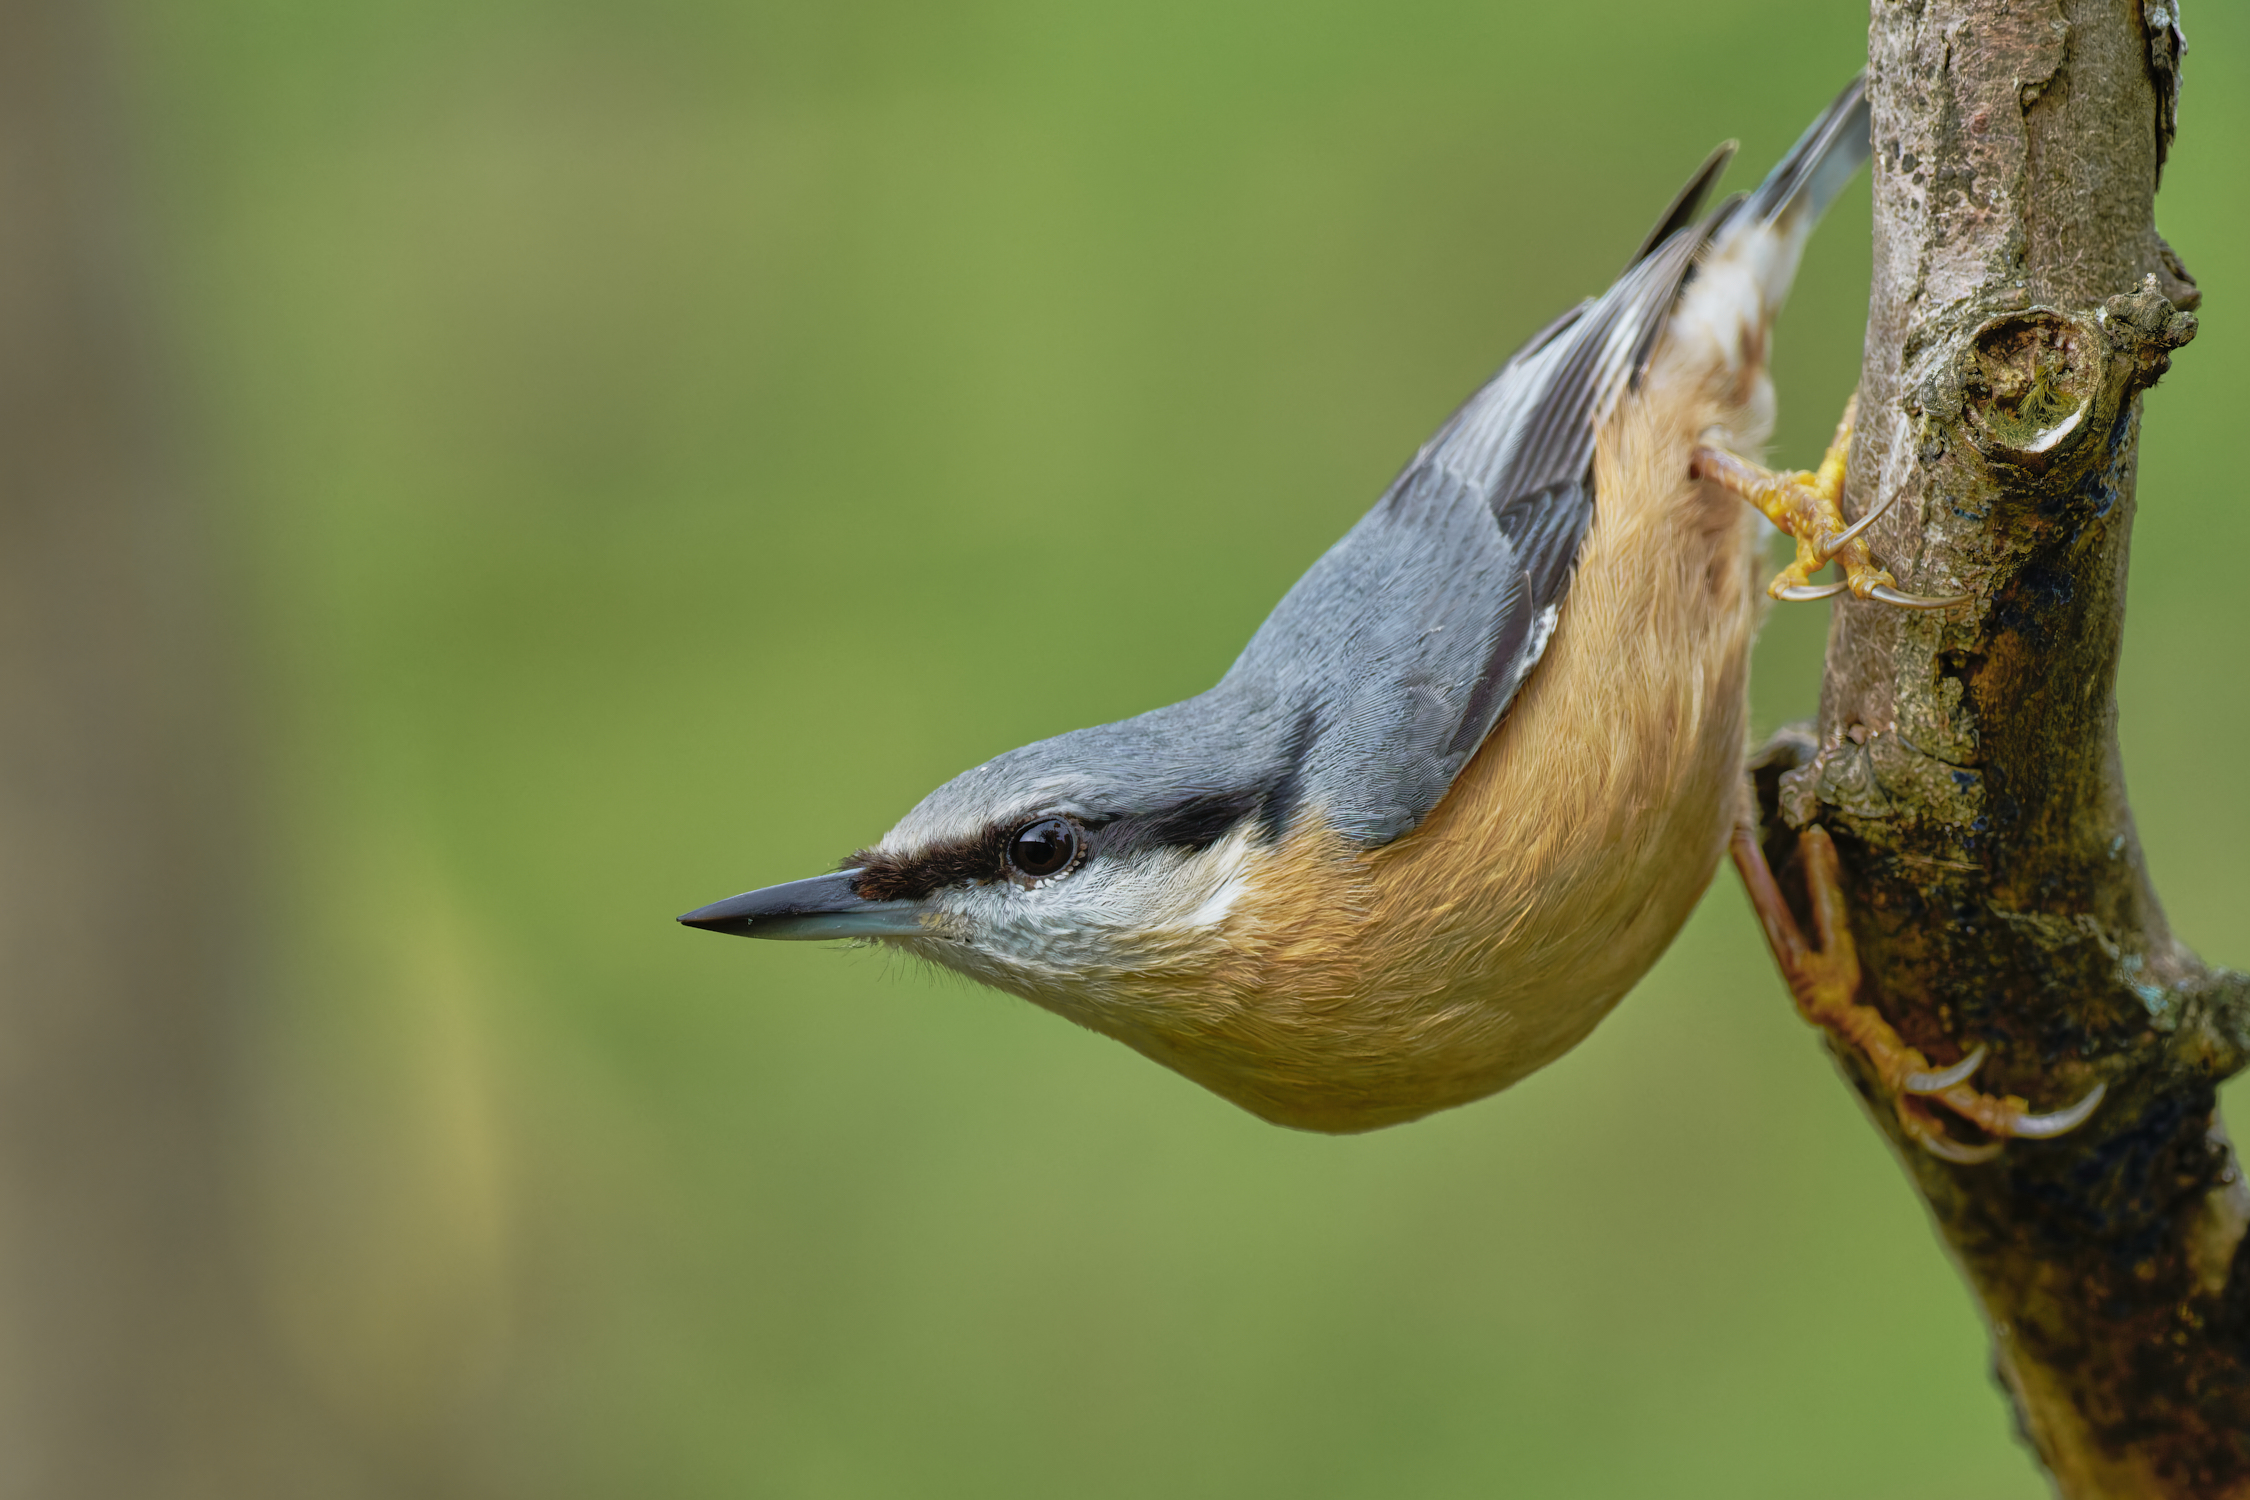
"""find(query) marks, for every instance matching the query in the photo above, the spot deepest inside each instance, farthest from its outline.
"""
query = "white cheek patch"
(1219, 903)
(1223, 878)
(1113, 914)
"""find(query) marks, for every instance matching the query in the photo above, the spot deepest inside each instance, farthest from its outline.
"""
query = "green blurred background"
(650, 433)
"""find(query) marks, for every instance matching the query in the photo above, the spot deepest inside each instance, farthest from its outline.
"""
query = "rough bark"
(130, 1362)
(1967, 761)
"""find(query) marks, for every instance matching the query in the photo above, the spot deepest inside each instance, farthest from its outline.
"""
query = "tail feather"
(1717, 338)
(1807, 180)
(1763, 233)
(1776, 216)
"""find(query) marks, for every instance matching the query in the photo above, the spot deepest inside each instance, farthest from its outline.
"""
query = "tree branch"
(1967, 762)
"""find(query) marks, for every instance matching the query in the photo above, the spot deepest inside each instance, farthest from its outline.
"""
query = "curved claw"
(1805, 593)
(2046, 1127)
(1830, 546)
(1889, 595)
(1946, 1148)
(1943, 1079)
(1931, 1137)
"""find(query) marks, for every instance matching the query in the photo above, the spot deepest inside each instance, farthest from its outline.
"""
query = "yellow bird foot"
(1809, 507)
(1825, 982)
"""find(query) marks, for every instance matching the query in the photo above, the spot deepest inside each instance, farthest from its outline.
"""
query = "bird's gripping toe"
(1825, 982)
(1809, 507)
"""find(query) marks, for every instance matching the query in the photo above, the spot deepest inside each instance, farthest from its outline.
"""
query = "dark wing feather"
(1545, 528)
(1686, 204)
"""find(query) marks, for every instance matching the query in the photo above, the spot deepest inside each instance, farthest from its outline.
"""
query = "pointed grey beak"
(822, 907)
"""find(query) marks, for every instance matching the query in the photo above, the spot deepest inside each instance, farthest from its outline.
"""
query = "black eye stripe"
(1194, 823)
(888, 877)
(1199, 822)
(980, 857)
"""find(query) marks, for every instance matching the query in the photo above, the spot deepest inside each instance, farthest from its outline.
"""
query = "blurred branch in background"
(131, 1362)
(1968, 761)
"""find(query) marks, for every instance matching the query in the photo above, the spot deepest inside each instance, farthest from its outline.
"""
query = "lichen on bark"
(1967, 762)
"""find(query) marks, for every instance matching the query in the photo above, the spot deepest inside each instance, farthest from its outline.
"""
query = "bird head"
(1122, 876)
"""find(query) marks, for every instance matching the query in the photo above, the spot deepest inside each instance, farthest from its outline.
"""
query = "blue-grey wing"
(1386, 668)
(1397, 654)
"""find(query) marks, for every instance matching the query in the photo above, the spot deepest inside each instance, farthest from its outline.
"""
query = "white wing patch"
(1542, 627)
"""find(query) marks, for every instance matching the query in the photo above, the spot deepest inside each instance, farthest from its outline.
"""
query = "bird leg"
(1809, 506)
(1825, 982)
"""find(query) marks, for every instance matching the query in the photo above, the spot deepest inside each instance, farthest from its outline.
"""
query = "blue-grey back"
(1388, 665)
(1385, 668)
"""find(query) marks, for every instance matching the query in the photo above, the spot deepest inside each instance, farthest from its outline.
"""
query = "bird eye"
(1047, 847)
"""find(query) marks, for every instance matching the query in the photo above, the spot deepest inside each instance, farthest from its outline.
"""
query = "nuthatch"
(1468, 779)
